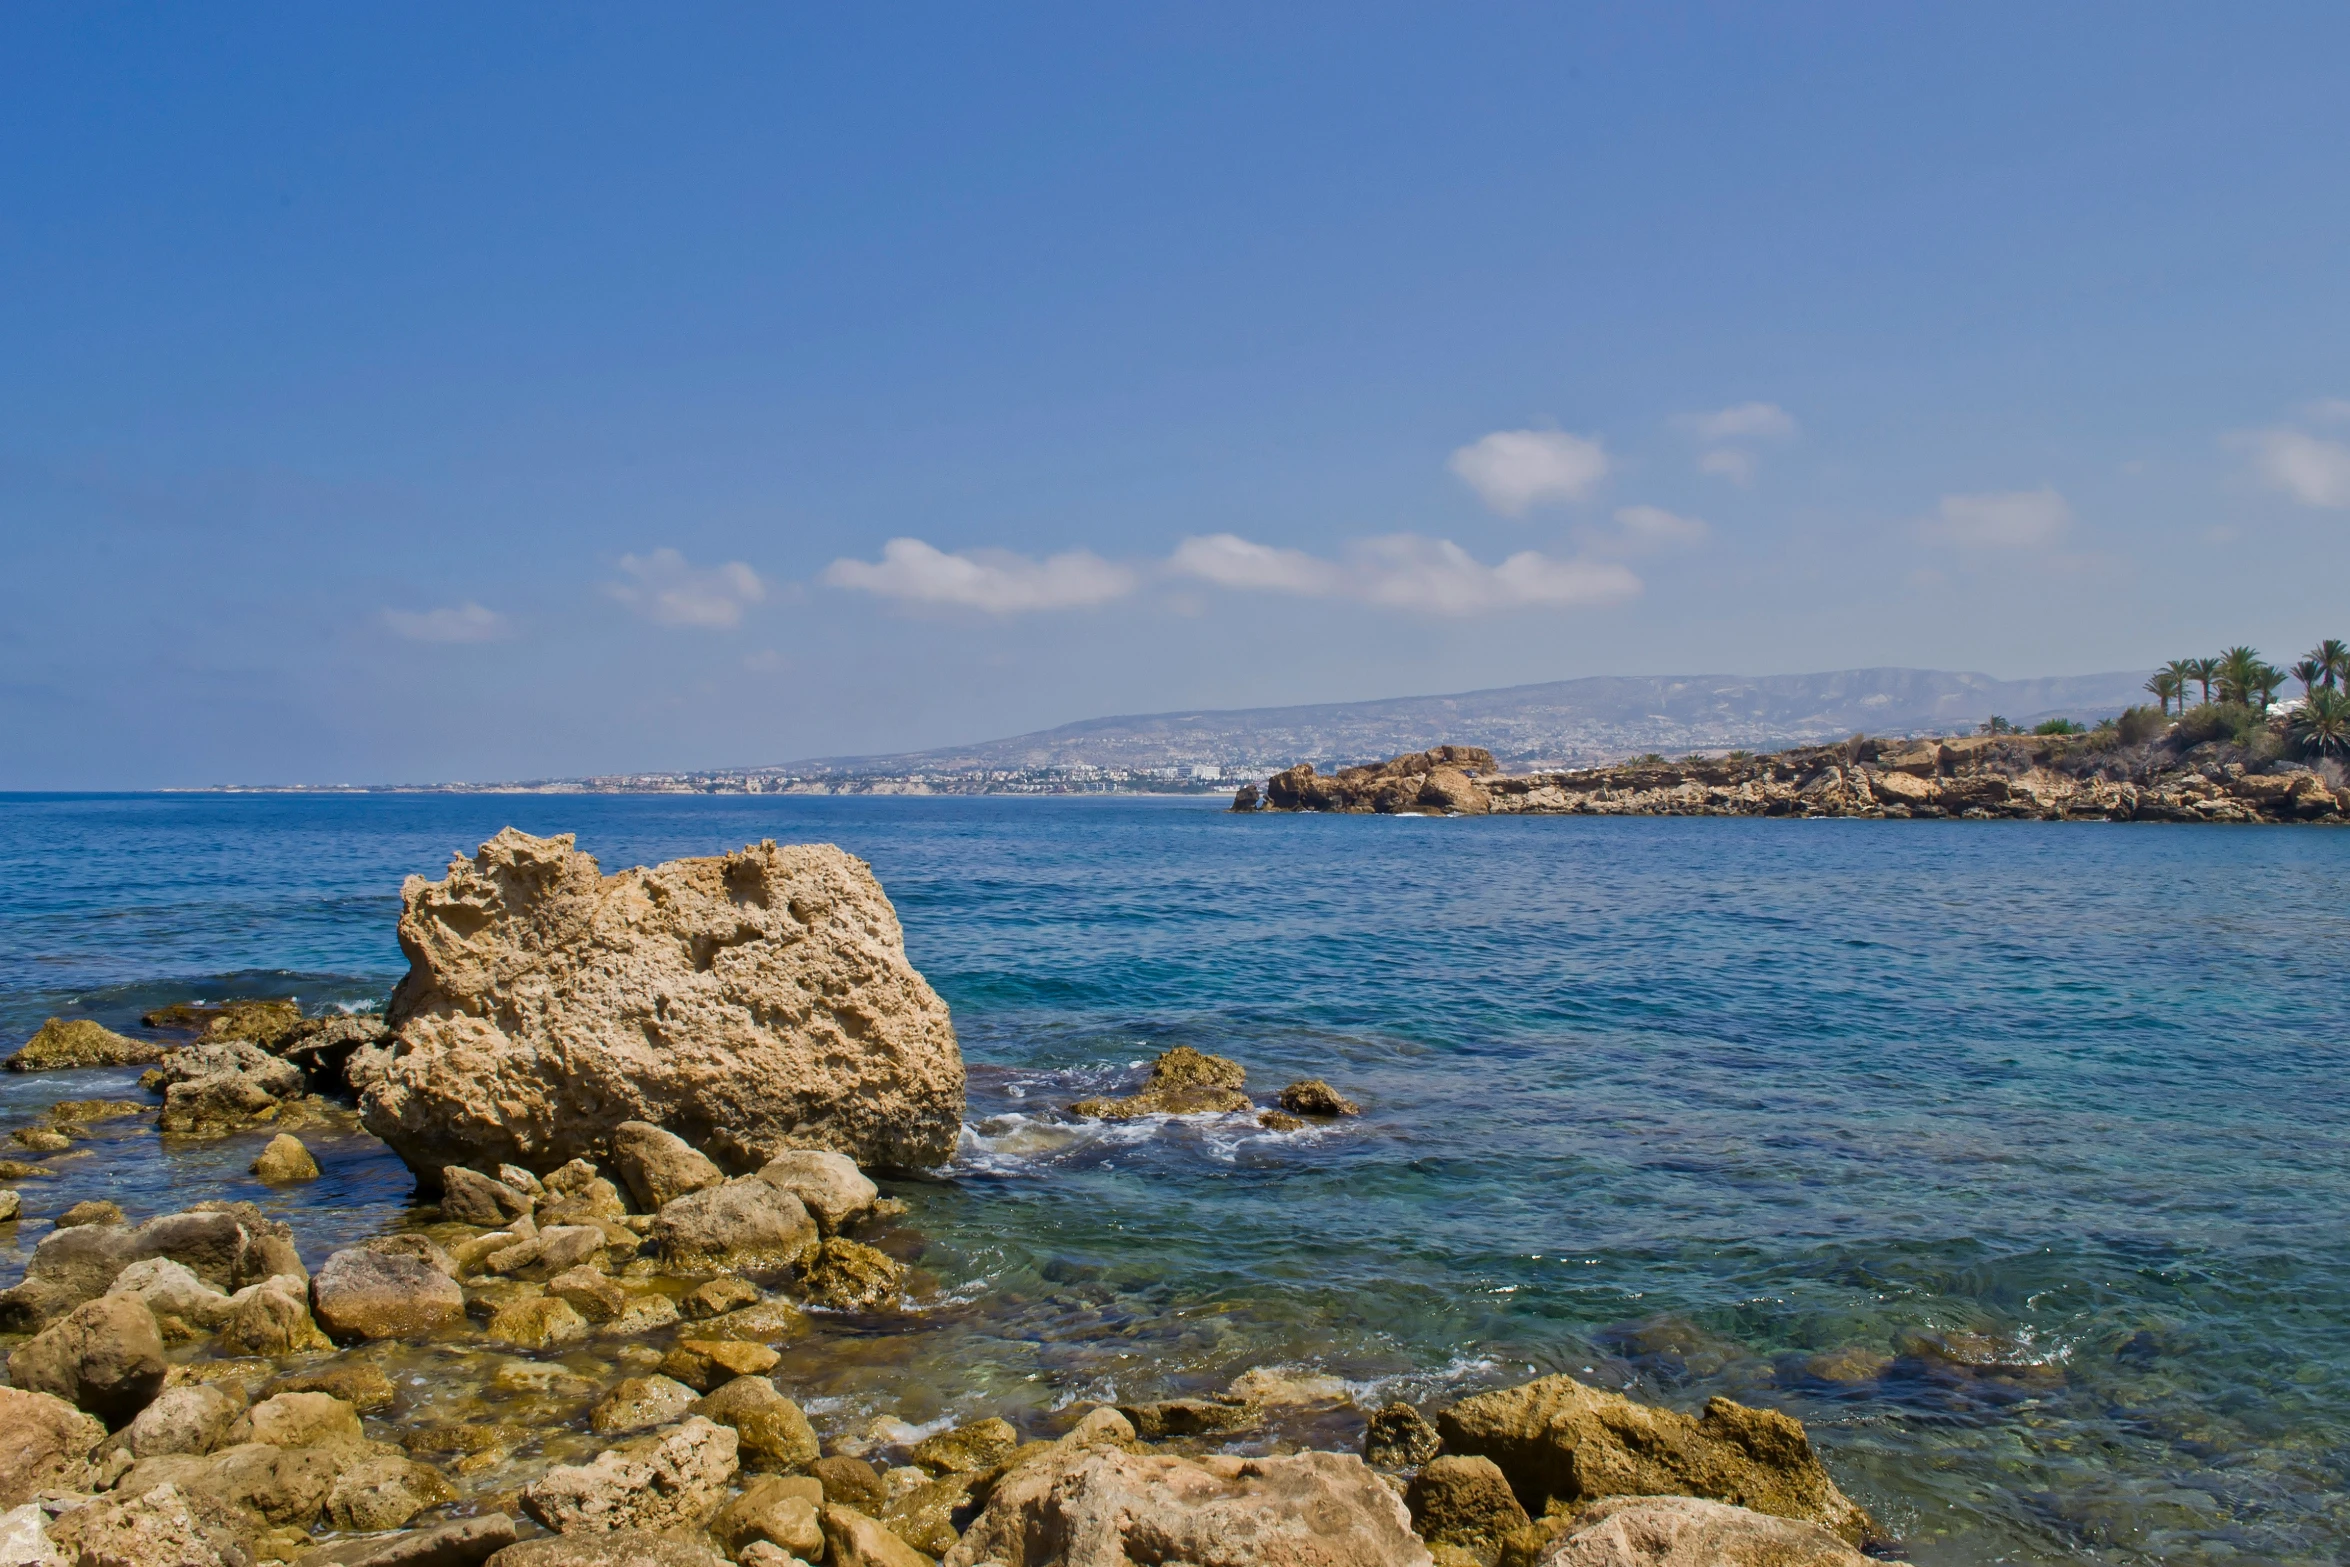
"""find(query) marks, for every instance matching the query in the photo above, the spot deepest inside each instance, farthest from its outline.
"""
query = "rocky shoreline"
(641, 1110)
(1971, 777)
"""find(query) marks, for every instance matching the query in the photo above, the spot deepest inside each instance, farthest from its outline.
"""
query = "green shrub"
(2058, 726)
(2219, 721)
(2137, 725)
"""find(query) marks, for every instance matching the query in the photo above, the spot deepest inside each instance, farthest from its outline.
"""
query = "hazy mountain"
(1562, 721)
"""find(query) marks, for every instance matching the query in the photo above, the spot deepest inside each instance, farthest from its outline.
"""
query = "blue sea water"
(2011, 1157)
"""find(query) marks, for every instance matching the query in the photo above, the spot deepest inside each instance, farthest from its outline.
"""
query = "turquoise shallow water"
(2011, 1157)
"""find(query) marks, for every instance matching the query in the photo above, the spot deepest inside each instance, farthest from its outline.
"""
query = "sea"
(2013, 1158)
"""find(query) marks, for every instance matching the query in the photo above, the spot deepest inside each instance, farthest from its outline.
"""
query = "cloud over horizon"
(2001, 520)
(1406, 571)
(1512, 470)
(996, 582)
(669, 590)
(2310, 469)
(466, 622)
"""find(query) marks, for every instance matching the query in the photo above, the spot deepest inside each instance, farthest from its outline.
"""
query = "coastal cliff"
(1979, 777)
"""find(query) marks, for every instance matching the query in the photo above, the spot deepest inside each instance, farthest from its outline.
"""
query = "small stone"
(643, 1313)
(285, 1160)
(852, 1482)
(569, 1178)
(543, 1323)
(358, 1383)
(672, 1477)
(718, 1296)
(367, 1294)
(521, 1180)
(705, 1364)
(470, 1197)
(420, 1247)
(849, 1275)
(638, 1403)
(766, 1553)
(828, 1185)
(189, 1419)
(96, 1210)
(79, 1111)
(384, 1491)
(968, 1449)
(856, 1539)
(272, 1318)
(1465, 1502)
(621, 1548)
(1315, 1097)
(105, 1357)
(774, 1433)
(11, 1206)
(659, 1166)
(780, 1511)
(923, 1515)
(590, 1293)
(744, 1223)
(45, 1445)
(1279, 1121)
(769, 1322)
(299, 1420)
(1399, 1437)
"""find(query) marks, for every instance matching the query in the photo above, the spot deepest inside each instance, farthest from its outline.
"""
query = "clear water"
(1680, 1106)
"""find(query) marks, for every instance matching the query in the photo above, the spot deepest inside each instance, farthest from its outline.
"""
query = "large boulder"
(748, 1002)
(105, 1357)
(65, 1042)
(363, 1293)
(194, 1418)
(45, 1445)
(674, 1476)
(771, 1430)
(1685, 1531)
(1108, 1508)
(158, 1527)
(1562, 1444)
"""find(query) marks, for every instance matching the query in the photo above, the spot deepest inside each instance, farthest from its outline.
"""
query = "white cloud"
(2330, 410)
(1513, 469)
(1406, 571)
(995, 581)
(466, 622)
(1643, 528)
(1730, 463)
(672, 591)
(2314, 472)
(1745, 421)
(2003, 520)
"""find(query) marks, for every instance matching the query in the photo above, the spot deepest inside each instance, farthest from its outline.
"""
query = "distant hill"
(1561, 722)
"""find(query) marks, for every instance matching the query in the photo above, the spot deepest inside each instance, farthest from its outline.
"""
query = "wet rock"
(1562, 1444)
(626, 1548)
(773, 1433)
(1683, 1531)
(96, 1210)
(363, 1293)
(1187, 1417)
(639, 1404)
(105, 1357)
(191, 1419)
(853, 1539)
(287, 1159)
(361, 1385)
(706, 1364)
(45, 1445)
(1272, 1388)
(1101, 1505)
(215, 1106)
(768, 1322)
(563, 1246)
(829, 1185)
(924, 1515)
(299, 1420)
(592, 1294)
(420, 1247)
(1854, 1363)
(744, 1223)
(157, 1528)
(1399, 1438)
(240, 1058)
(470, 1197)
(676, 1476)
(850, 1482)
(766, 992)
(465, 1543)
(640, 1314)
(659, 1166)
(272, 1318)
(79, 1042)
(11, 1207)
(384, 1491)
(780, 1509)
(849, 1275)
(968, 1449)
(717, 1297)
(542, 1323)
(41, 1139)
(268, 1024)
(1183, 1081)
(1315, 1097)
(1279, 1121)
(1102, 1427)
(1464, 1502)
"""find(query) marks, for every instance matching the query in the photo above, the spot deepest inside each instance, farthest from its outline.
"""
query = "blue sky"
(459, 392)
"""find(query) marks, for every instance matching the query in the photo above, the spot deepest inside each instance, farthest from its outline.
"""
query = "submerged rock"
(848, 1275)
(762, 998)
(1562, 1444)
(1103, 1506)
(63, 1042)
(773, 1432)
(95, 1210)
(640, 1403)
(465, 1543)
(287, 1159)
(974, 1448)
(1183, 1081)
(1685, 1531)
(625, 1548)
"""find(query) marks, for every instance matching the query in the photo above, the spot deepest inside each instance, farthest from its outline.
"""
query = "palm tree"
(2309, 673)
(2181, 670)
(2203, 671)
(2267, 680)
(2166, 685)
(2322, 726)
(2332, 657)
(2239, 667)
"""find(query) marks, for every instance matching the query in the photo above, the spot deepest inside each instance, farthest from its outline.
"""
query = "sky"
(452, 392)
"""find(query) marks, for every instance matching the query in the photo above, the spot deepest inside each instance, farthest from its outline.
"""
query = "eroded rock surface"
(63, 1042)
(1685, 1531)
(748, 1003)
(45, 1444)
(1183, 1081)
(675, 1476)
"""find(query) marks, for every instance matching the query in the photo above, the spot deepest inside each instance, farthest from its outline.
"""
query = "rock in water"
(659, 1166)
(1464, 1502)
(81, 1043)
(1183, 1081)
(1682, 1531)
(363, 1293)
(286, 1159)
(1398, 1438)
(748, 1003)
(1090, 1504)
(1562, 1444)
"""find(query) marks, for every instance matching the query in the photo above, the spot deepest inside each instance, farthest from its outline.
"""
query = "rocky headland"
(1976, 777)
(642, 1110)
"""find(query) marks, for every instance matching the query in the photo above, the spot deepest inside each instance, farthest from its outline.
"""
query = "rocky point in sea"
(650, 1096)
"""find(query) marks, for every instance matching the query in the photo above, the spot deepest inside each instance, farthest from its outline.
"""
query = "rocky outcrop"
(2030, 777)
(748, 1003)
(1563, 1444)
(1102, 1507)
(1443, 780)
(219, 1086)
(225, 1245)
(1183, 1081)
(1684, 1531)
(63, 1042)
(1315, 1097)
